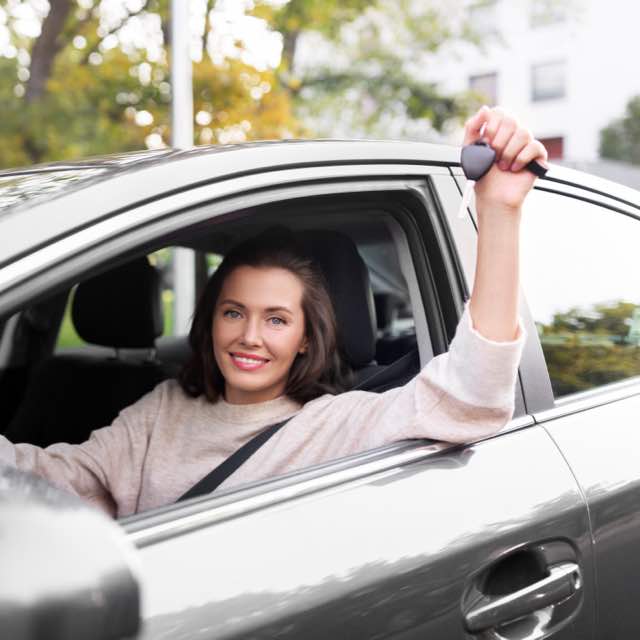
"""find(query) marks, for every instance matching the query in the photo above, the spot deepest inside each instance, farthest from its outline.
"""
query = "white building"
(565, 68)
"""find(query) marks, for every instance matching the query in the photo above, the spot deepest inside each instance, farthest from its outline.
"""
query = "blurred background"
(80, 78)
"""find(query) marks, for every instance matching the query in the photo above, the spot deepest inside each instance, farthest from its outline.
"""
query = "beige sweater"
(159, 447)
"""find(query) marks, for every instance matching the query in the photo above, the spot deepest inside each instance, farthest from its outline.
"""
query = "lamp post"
(182, 138)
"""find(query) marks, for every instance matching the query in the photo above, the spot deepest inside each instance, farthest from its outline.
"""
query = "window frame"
(164, 523)
(59, 270)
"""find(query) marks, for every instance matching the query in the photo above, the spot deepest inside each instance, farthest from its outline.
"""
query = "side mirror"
(68, 571)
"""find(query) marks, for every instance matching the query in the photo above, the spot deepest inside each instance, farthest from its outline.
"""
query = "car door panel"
(393, 555)
(602, 446)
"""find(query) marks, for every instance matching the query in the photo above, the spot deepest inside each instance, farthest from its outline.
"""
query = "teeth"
(248, 360)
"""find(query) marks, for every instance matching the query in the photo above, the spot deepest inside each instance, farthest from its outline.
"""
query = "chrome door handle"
(490, 611)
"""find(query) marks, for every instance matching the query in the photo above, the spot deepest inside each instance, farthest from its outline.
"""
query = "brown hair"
(320, 370)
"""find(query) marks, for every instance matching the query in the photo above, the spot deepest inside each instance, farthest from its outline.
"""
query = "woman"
(265, 351)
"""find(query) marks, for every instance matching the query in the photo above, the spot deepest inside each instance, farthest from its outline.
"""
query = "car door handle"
(490, 611)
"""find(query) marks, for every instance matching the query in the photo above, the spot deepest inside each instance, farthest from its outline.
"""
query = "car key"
(476, 160)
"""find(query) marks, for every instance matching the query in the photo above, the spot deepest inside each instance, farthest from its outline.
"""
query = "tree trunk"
(46, 48)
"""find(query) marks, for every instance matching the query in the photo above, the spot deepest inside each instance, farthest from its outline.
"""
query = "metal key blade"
(466, 198)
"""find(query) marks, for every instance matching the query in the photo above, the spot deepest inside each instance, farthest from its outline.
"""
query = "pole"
(182, 138)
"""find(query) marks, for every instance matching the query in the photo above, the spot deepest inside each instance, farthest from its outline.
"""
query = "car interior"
(51, 393)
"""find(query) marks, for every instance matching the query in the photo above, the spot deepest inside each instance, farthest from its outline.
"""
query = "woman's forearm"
(494, 299)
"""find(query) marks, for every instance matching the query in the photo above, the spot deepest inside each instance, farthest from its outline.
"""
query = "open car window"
(379, 234)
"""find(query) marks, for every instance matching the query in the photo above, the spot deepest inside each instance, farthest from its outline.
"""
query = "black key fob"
(476, 160)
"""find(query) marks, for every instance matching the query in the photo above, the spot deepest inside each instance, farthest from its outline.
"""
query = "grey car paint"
(68, 572)
(148, 180)
(602, 445)
(392, 555)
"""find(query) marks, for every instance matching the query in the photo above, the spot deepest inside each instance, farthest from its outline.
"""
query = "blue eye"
(231, 313)
(276, 321)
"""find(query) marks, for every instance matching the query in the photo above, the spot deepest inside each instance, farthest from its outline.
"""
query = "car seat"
(349, 286)
(68, 396)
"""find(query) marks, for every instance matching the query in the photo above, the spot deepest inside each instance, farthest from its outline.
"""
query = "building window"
(548, 81)
(547, 12)
(554, 147)
(483, 17)
(486, 85)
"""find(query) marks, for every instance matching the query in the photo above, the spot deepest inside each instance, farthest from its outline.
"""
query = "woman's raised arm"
(499, 197)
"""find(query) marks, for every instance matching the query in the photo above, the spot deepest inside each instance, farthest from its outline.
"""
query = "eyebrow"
(235, 303)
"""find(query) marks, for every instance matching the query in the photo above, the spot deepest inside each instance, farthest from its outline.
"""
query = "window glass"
(68, 338)
(163, 261)
(213, 262)
(580, 278)
(486, 85)
(548, 81)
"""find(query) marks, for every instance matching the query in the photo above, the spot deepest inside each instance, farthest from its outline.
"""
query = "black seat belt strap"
(218, 475)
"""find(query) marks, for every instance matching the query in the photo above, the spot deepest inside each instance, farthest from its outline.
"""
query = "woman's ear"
(303, 347)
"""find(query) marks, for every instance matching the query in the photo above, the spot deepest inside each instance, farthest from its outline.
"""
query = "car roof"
(24, 186)
(49, 201)
(46, 202)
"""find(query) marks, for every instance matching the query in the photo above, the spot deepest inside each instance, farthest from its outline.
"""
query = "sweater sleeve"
(460, 396)
(471, 387)
(106, 469)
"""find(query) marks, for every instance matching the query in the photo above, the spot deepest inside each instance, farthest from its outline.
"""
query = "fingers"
(497, 117)
(533, 151)
(473, 126)
(519, 139)
(514, 145)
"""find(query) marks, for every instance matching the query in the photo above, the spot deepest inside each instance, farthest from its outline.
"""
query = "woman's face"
(257, 332)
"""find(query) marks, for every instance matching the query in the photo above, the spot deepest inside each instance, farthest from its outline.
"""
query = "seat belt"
(218, 475)
(387, 377)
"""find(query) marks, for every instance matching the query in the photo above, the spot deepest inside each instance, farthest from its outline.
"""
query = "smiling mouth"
(245, 362)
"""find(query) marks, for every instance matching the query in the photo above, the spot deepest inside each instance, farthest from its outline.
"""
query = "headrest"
(347, 279)
(121, 308)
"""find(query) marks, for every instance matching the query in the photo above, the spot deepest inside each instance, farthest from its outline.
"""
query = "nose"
(251, 335)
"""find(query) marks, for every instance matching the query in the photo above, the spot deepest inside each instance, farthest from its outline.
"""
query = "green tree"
(620, 140)
(75, 90)
(374, 75)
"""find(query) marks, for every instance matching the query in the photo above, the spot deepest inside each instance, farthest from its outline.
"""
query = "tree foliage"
(97, 98)
(586, 348)
(371, 71)
(80, 88)
(620, 140)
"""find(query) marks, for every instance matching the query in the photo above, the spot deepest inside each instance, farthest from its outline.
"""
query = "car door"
(585, 389)
(418, 539)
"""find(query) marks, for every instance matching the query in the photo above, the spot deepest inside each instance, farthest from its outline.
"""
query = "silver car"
(533, 533)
